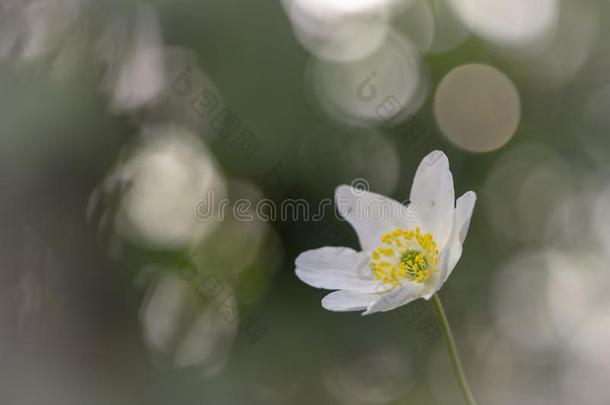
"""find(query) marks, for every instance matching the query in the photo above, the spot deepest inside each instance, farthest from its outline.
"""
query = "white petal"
(371, 215)
(463, 212)
(395, 298)
(348, 301)
(336, 268)
(432, 196)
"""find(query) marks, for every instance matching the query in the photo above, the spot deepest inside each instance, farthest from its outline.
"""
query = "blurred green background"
(95, 305)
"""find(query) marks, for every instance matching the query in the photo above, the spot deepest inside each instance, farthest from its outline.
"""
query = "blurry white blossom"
(161, 183)
(566, 50)
(188, 326)
(340, 30)
(381, 89)
(132, 49)
(516, 24)
(35, 29)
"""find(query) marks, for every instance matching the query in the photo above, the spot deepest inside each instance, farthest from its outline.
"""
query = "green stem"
(452, 350)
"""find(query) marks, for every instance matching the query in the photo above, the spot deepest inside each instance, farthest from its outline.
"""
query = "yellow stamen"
(404, 254)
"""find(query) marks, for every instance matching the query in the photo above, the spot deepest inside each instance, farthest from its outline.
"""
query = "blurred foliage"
(72, 292)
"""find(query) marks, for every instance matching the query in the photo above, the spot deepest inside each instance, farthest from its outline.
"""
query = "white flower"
(408, 251)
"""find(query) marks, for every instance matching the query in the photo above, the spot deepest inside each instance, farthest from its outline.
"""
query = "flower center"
(404, 254)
